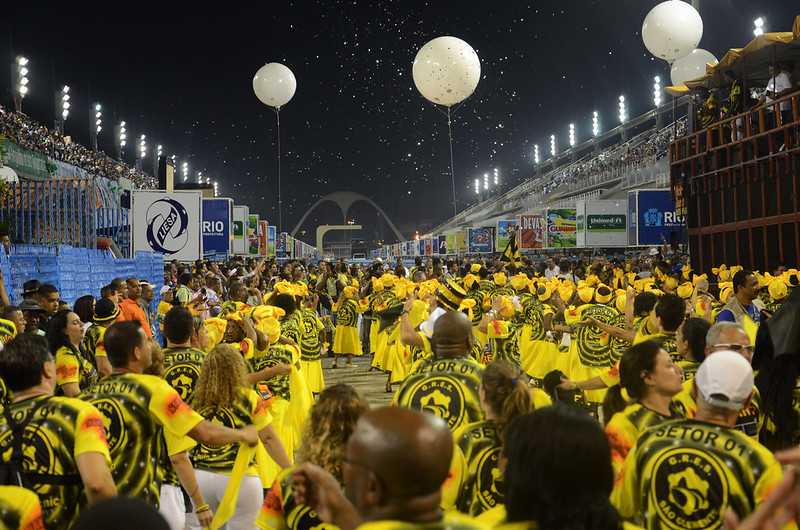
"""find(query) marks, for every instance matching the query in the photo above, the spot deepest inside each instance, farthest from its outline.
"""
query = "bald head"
(452, 335)
(409, 452)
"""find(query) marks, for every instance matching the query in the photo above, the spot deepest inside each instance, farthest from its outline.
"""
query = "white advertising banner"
(241, 216)
(168, 222)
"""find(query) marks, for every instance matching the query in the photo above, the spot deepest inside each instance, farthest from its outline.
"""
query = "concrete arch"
(345, 199)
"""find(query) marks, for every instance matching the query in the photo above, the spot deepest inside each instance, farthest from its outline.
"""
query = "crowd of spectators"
(29, 134)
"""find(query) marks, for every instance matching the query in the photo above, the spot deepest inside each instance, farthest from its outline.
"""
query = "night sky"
(181, 73)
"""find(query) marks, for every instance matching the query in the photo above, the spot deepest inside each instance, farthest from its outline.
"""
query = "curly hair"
(222, 379)
(330, 424)
(157, 367)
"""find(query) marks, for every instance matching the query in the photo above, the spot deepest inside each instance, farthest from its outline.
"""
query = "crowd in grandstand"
(31, 135)
(583, 392)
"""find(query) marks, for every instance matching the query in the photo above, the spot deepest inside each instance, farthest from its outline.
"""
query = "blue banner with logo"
(656, 217)
(480, 240)
(443, 245)
(216, 226)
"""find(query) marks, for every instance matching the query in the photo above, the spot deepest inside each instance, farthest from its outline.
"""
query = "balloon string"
(452, 171)
(280, 198)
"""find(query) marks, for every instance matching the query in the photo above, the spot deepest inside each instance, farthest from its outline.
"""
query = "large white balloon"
(274, 84)
(672, 29)
(690, 66)
(446, 70)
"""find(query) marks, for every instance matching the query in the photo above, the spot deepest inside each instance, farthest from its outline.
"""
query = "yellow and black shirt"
(476, 479)
(685, 474)
(624, 428)
(249, 410)
(93, 343)
(136, 408)
(59, 430)
(592, 345)
(504, 342)
(447, 388)
(309, 339)
(281, 511)
(261, 360)
(291, 327)
(71, 367)
(182, 369)
(20, 509)
(347, 311)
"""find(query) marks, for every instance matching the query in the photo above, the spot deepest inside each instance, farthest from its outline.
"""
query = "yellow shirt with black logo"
(447, 388)
(248, 410)
(278, 385)
(71, 367)
(182, 368)
(309, 337)
(136, 407)
(685, 474)
(61, 429)
(20, 509)
(624, 427)
(7, 331)
(281, 511)
(475, 483)
(504, 342)
(93, 343)
(291, 327)
(750, 419)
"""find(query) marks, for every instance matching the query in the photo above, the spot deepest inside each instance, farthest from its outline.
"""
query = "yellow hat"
(565, 290)
(722, 273)
(349, 292)
(592, 280)
(544, 292)
(621, 300)
(585, 292)
(671, 283)
(792, 277)
(285, 287)
(696, 278)
(519, 281)
(475, 268)
(216, 329)
(685, 290)
(687, 273)
(468, 280)
(725, 292)
(466, 305)
(388, 280)
(510, 306)
(603, 294)
(377, 284)
(777, 289)
(500, 278)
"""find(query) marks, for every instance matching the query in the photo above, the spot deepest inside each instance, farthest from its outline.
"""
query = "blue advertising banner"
(480, 239)
(656, 217)
(216, 226)
(443, 245)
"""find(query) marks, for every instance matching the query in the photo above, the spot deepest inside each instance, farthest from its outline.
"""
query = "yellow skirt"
(346, 341)
(284, 429)
(313, 373)
(577, 371)
(540, 358)
(373, 334)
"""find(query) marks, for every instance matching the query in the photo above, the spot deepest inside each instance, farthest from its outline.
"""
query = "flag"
(511, 254)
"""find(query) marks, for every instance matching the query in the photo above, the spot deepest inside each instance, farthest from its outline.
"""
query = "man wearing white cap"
(686, 473)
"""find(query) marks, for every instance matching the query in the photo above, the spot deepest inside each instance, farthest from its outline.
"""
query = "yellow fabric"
(228, 503)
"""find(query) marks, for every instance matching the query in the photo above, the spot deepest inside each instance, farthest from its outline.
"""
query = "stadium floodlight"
(142, 147)
(64, 103)
(159, 150)
(185, 170)
(215, 189)
(486, 181)
(477, 186)
(657, 91)
(535, 153)
(623, 115)
(199, 177)
(22, 79)
(572, 135)
(96, 121)
(553, 144)
(595, 124)
(123, 137)
(759, 23)
(496, 177)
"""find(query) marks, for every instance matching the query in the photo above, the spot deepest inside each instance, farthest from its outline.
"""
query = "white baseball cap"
(725, 379)
(164, 289)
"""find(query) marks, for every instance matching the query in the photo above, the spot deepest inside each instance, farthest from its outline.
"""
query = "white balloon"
(672, 29)
(446, 70)
(690, 66)
(274, 84)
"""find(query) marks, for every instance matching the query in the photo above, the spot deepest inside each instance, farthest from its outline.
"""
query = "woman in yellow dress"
(346, 341)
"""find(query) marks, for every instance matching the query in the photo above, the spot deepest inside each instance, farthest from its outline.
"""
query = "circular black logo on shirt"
(489, 485)
(182, 377)
(113, 422)
(688, 486)
(439, 396)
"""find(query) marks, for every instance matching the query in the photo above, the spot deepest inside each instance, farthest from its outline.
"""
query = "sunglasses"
(735, 347)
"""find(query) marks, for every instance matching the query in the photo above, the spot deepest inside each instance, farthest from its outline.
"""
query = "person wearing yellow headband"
(477, 293)
(310, 343)
(540, 355)
(240, 333)
(502, 330)
(346, 340)
(381, 297)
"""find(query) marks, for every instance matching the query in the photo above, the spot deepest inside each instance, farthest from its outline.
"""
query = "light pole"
(215, 189)
(572, 135)
(185, 169)
(535, 153)
(122, 138)
(553, 145)
(622, 114)
(62, 104)
(657, 91)
(158, 152)
(759, 23)
(142, 152)
(95, 117)
(478, 189)
(21, 80)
